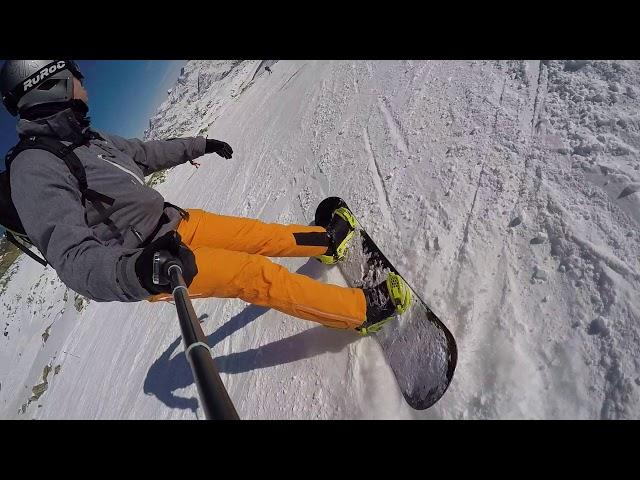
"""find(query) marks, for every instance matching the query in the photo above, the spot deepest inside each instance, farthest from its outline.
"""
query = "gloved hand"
(178, 251)
(221, 148)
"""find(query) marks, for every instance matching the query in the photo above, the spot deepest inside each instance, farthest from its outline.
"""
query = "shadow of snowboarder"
(167, 374)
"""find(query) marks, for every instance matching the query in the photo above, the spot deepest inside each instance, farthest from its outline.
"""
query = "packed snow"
(506, 192)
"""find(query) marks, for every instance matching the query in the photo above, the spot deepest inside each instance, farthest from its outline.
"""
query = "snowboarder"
(103, 245)
(268, 69)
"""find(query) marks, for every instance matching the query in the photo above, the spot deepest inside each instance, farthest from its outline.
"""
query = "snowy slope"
(506, 192)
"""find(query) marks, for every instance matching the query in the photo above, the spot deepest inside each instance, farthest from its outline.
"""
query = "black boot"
(379, 304)
(384, 301)
(340, 231)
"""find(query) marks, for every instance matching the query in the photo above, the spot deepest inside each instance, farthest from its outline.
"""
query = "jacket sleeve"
(83, 262)
(157, 155)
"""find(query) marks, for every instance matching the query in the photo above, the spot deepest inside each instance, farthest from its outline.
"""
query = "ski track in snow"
(376, 175)
(506, 192)
(394, 127)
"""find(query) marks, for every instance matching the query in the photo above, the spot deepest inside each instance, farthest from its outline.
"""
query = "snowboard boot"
(340, 231)
(384, 301)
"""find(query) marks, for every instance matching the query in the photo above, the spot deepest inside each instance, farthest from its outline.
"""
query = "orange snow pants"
(231, 254)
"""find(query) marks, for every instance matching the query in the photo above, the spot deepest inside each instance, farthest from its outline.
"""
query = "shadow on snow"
(168, 374)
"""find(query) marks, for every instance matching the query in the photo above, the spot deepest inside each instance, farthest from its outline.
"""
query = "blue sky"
(123, 95)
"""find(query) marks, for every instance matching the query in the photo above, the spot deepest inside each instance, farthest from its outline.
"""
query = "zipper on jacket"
(124, 169)
(136, 233)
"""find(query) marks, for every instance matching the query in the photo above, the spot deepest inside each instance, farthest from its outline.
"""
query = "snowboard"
(418, 347)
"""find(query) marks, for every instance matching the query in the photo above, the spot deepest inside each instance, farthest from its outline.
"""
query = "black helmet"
(27, 83)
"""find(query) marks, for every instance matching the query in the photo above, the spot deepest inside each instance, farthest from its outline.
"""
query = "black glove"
(221, 148)
(177, 251)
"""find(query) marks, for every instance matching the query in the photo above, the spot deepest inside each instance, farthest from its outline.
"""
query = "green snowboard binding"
(340, 230)
(384, 302)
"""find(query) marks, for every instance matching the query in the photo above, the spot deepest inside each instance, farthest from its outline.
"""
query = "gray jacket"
(88, 255)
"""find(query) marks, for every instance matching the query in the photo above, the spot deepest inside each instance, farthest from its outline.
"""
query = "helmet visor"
(73, 67)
